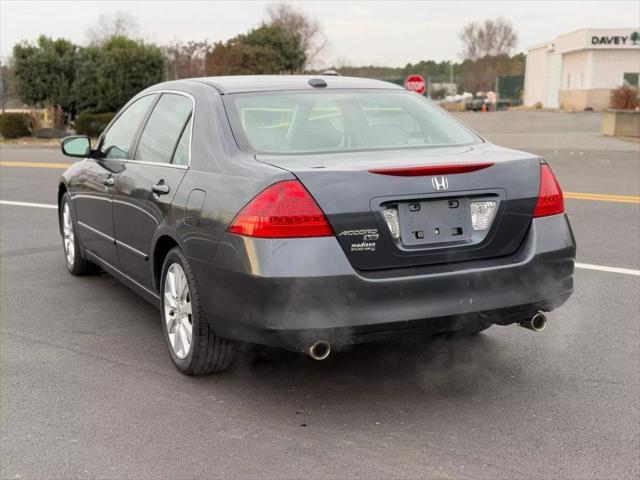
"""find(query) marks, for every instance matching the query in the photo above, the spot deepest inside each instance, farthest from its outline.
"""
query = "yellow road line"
(35, 164)
(603, 198)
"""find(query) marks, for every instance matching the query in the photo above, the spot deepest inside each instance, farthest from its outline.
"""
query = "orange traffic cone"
(484, 107)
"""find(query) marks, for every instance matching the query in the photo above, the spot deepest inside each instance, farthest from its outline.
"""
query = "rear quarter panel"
(219, 182)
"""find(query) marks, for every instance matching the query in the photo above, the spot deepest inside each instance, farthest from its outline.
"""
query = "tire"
(74, 260)
(206, 352)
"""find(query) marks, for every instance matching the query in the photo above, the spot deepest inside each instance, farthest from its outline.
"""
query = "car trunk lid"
(431, 190)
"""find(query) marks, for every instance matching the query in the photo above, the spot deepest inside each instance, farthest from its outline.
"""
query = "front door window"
(118, 140)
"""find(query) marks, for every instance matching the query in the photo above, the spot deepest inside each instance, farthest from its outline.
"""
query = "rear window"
(329, 121)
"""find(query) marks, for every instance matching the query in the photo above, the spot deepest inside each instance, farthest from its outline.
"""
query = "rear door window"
(181, 155)
(164, 129)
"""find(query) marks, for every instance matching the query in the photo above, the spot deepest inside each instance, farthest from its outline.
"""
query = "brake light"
(426, 170)
(283, 210)
(550, 201)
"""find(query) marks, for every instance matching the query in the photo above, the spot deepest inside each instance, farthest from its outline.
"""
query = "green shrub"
(92, 124)
(14, 125)
(109, 74)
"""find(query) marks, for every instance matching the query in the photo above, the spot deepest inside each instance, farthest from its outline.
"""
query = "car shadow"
(424, 380)
(426, 368)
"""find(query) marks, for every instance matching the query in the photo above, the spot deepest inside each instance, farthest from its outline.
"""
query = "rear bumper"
(292, 292)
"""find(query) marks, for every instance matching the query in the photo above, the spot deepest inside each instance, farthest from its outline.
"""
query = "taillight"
(283, 210)
(550, 201)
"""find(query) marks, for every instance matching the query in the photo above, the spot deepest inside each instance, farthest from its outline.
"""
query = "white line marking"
(601, 268)
(28, 204)
(585, 266)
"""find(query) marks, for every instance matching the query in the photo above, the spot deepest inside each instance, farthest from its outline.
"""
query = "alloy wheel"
(69, 236)
(177, 310)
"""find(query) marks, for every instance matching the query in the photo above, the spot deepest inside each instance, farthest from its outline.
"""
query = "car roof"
(265, 83)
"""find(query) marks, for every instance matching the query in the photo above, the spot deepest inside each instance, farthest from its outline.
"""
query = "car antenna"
(317, 83)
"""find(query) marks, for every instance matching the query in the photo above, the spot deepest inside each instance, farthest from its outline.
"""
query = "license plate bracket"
(427, 222)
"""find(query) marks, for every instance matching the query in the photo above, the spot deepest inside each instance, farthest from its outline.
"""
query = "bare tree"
(493, 38)
(481, 74)
(111, 25)
(292, 20)
(185, 60)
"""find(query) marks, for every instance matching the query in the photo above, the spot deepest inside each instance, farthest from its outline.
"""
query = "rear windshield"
(330, 121)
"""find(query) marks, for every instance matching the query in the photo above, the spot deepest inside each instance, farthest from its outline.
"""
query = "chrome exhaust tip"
(319, 350)
(537, 323)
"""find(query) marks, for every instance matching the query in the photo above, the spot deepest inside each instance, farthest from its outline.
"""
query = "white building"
(578, 70)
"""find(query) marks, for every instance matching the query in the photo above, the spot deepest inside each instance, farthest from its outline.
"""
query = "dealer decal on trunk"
(369, 238)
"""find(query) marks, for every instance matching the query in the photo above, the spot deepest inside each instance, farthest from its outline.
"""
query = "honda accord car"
(309, 213)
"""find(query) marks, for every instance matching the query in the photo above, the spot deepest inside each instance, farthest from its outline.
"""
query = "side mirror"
(76, 146)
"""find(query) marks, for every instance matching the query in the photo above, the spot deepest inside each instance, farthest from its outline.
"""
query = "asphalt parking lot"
(88, 388)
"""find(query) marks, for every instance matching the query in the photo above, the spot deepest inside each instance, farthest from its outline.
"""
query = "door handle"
(109, 181)
(160, 188)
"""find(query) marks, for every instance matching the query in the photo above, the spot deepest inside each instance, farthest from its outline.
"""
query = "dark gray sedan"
(312, 212)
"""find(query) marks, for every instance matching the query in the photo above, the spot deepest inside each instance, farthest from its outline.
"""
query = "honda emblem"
(440, 183)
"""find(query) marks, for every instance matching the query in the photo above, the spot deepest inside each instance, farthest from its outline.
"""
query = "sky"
(389, 33)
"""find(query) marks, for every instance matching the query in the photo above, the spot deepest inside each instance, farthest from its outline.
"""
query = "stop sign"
(415, 83)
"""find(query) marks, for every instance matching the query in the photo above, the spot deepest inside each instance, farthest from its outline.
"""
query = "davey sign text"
(632, 39)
